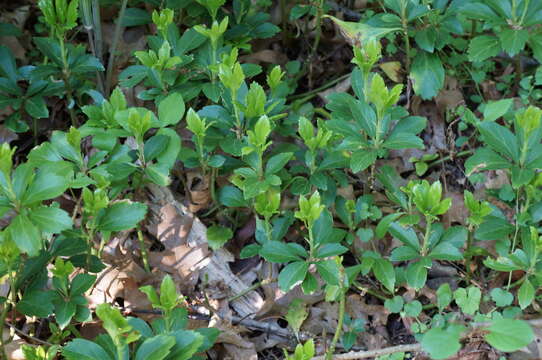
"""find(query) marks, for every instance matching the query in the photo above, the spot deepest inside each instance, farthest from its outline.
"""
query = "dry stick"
(353, 355)
(113, 48)
(22, 333)
(373, 353)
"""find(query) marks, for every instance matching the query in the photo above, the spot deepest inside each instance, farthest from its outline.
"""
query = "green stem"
(516, 232)
(4, 315)
(426, 236)
(319, 14)
(338, 330)
(251, 288)
(312, 93)
(66, 80)
(469, 257)
(116, 37)
(449, 157)
(404, 21)
(143, 249)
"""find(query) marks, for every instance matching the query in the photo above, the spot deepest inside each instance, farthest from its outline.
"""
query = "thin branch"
(373, 353)
(353, 355)
(22, 333)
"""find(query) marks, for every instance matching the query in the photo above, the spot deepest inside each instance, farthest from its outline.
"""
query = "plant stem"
(426, 236)
(66, 79)
(338, 331)
(251, 288)
(4, 314)
(469, 257)
(143, 249)
(116, 36)
(404, 21)
(310, 94)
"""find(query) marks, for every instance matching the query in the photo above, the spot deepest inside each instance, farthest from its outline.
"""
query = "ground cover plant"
(258, 179)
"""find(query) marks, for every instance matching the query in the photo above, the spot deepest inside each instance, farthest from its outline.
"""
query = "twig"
(403, 348)
(22, 333)
(373, 353)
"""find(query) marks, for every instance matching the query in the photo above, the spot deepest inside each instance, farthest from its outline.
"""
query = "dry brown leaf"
(266, 56)
(198, 187)
(450, 97)
(393, 70)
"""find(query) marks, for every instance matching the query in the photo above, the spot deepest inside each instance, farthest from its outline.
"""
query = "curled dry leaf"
(235, 345)
(198, 187)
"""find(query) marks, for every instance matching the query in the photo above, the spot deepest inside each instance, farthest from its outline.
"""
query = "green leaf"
(485, 159)
(329, 271)
(25, 234)
(493, 228)
(403, 141)
(187, 343)
(277, 162)
(512, 40)
(509, 335)
(171, 109)
(495, 109)
(384, 224)
(440, 344)
(51, 219)
(358, 31)
(526, 294)
(413, 308)
(155, 348)
(427, 75)
(278, 252)
(36, 107)
(135, 17)
(395, 305)
(468, 299)
(232, 197)
(500, 139)
(36, 303)
(81, 349)
(81, 283)
(483, 47)
(64, 311)
(330, 249)
(416, 275)
(217, 236)
(122, 215)
(362, 159)
(501, 297)
(297, 313)
(406, 235)
(48, 184)
(444, 296)
(293, 273)
(383, 271)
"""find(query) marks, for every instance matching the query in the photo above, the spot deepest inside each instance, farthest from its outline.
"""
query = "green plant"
(370, 123)
(134, 338)
(431, 24)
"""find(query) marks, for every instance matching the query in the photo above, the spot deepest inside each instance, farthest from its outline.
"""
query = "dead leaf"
(393, 70)
(267, 56)
(198, 188)
(185, 236)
